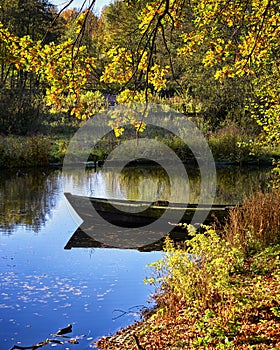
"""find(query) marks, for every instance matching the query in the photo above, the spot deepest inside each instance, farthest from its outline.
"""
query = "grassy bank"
(23, 151)
(40, 150)
(229, 144)
(221, 290)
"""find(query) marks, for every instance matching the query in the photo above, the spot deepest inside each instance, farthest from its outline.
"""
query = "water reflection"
(81, 239)
(233, 183)
(152, 184)
(27, 199)
(30, 199)
(44, 286)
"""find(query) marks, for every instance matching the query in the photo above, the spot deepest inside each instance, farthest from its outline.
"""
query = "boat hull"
(135, 214)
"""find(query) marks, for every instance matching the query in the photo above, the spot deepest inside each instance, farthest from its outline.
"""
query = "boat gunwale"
(152, 205)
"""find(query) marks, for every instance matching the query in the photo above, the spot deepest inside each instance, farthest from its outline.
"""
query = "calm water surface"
(45, 287)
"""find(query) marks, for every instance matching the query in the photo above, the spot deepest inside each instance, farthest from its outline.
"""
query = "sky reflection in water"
(44, 287)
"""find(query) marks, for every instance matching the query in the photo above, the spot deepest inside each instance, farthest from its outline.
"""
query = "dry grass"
(230, 300)
(256, 224)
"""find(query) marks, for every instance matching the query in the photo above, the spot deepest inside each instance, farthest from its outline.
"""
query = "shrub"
(25, 151)
(58, 149)
(200, 273)
(214, 297)
(225, 142)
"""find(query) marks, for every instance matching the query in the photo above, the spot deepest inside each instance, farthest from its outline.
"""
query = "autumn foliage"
(143, 50)
(214, 292)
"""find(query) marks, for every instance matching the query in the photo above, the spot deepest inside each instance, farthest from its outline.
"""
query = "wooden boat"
(135, 214)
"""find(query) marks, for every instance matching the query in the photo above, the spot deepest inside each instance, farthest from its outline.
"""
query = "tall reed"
(256, 224)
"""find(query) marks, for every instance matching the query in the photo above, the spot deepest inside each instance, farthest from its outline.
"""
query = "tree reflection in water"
(27, 199)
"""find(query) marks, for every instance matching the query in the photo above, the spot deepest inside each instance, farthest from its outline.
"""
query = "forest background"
(217, 63)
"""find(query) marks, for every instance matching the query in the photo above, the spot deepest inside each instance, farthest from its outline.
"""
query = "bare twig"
(139, 347)
(258, 33)
(129, 312)
(38, 345)
(55, 19)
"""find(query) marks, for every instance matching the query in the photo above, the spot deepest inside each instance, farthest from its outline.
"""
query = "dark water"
(45, 287)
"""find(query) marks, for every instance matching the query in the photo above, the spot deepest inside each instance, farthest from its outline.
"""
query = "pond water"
(44, 287)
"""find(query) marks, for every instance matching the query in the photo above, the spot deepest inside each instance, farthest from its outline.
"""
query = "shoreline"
(49, 151)
(112, 163)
